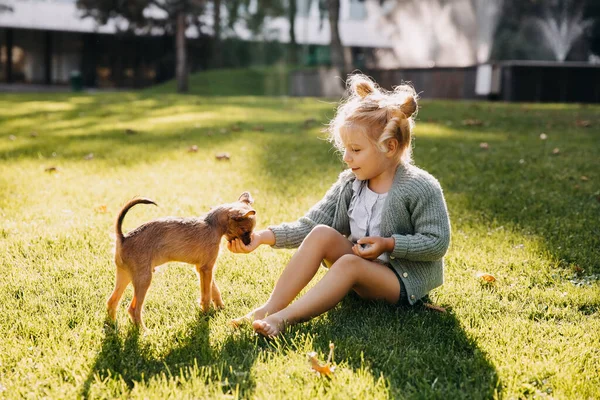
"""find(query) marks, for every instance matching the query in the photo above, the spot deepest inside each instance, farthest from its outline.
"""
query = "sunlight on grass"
(33, 107)
(519, 211)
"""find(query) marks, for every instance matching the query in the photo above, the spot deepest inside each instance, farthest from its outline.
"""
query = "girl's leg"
(322, 243)
(369, 279)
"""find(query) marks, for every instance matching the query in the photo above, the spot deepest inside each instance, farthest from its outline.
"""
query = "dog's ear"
(246, 198)
(238, 215)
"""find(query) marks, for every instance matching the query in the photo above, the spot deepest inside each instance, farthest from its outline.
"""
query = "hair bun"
(409, 106)
(361, 85)
(363, 89)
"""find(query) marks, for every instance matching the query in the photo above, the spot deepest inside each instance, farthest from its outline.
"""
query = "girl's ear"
(392, 146)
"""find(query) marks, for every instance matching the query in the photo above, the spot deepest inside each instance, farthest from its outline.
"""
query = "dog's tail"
(124, 210)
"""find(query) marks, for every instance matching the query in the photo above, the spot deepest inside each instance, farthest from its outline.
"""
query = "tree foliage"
(254, 13)
(143, 15)
(5, 7)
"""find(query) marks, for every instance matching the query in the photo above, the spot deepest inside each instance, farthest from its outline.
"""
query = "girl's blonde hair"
(380, 114)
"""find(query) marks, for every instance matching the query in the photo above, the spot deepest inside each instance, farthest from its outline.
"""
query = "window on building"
(358, 10)
(303, 7)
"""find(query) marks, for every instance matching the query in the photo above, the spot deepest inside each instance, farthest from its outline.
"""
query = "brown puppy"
(190, 240)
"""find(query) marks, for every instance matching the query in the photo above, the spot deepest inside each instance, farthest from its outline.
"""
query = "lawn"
(523, 208)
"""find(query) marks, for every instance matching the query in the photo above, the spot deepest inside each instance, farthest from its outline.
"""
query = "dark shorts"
(403, 300)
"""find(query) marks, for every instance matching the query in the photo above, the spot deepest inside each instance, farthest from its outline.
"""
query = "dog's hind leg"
(121, 282)
(141, 284)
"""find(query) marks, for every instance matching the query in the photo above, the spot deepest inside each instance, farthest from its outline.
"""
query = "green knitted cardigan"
(414, 214)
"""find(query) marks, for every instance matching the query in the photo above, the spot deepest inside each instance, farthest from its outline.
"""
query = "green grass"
(517, 211)
(257, 81)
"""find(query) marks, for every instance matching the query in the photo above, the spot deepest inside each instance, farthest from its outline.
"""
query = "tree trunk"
(336, 48)
(293, 46)
(217, 52)
(181, 71)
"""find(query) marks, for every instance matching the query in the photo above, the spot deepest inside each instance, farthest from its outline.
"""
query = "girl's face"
(365, 159)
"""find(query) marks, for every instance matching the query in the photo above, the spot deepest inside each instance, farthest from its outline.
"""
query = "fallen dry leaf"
(193, 149)
(472, 122)
(484, 146)
(88, 156)
(556, 151)
(583, 123)
(323, 369)
(584, 178)
(222, 156)
(485, 277)
(577, 269)
(435, 308)
(51, 169)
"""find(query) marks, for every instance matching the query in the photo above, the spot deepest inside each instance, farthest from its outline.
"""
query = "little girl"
(382, 228)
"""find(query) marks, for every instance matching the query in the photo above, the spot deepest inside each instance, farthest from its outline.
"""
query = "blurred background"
(514, 50)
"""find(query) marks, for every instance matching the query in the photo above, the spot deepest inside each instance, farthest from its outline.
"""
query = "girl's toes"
(260, 326)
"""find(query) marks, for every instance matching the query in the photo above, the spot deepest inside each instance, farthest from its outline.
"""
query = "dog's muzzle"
(246, 239)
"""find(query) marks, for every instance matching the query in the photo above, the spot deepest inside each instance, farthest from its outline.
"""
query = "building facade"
(47, 42)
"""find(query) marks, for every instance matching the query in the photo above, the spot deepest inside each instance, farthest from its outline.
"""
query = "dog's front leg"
(205, 275)
(216, 295)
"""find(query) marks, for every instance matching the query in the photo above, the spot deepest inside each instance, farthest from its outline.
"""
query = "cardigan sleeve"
(291, 234)
(429, 217)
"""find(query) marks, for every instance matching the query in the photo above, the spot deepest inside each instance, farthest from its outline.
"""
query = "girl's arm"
(431, 226)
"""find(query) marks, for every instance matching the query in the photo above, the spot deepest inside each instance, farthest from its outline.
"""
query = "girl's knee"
(347, 264)
(322, 233)
(322, 230)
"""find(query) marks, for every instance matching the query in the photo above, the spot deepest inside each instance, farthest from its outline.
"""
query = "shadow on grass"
(523, 187)
(421, 353)
(126, 356)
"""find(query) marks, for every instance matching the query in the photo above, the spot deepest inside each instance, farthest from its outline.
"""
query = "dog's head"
(241, 219)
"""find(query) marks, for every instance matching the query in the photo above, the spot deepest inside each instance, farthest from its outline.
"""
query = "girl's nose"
(346, 156)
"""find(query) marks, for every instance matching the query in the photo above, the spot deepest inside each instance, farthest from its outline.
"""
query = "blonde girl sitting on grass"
(382, 228)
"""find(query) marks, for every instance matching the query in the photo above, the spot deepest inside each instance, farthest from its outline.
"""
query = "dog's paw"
(204, 305)
(219, 305)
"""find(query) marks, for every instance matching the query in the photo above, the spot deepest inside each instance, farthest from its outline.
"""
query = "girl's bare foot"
(270, 327)
(258, 313)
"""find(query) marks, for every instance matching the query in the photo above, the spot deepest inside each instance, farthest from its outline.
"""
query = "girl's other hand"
(371, 247)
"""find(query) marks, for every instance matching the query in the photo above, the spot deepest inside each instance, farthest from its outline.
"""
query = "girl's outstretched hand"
(257, 238)
(237, 246)
(371, 247)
